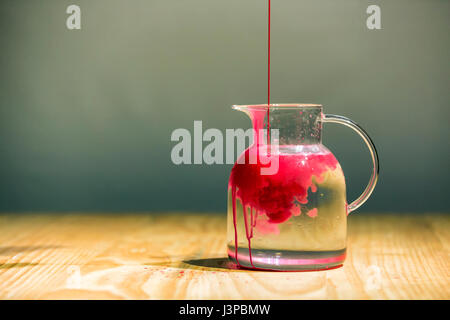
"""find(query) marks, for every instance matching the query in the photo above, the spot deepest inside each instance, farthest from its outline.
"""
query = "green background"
(86, 115)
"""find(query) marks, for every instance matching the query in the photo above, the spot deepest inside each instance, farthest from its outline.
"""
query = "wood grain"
(173, 256)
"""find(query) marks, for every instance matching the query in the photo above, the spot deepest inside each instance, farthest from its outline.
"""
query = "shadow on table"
(225, 263)
(19, 249)
(213, 263)
(17, 265)
(208, 264)
(16, 250)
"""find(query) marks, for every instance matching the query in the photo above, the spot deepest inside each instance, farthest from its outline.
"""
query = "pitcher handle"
(373, 153)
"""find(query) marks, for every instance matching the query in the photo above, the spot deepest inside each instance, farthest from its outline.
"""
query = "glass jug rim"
(277, 106)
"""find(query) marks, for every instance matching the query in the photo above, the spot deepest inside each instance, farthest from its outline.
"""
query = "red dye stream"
(268, 76)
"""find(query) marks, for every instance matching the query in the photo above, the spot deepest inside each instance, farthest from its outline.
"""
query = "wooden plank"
(174, 256)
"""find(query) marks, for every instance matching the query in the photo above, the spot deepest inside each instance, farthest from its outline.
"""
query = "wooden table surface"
(183, 257)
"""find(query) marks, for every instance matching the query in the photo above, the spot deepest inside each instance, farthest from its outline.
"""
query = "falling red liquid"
(268, 76)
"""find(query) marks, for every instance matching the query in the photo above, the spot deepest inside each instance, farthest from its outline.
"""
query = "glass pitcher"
(287, 207)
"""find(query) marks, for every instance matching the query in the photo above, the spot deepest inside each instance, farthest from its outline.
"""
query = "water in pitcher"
(293, 218)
